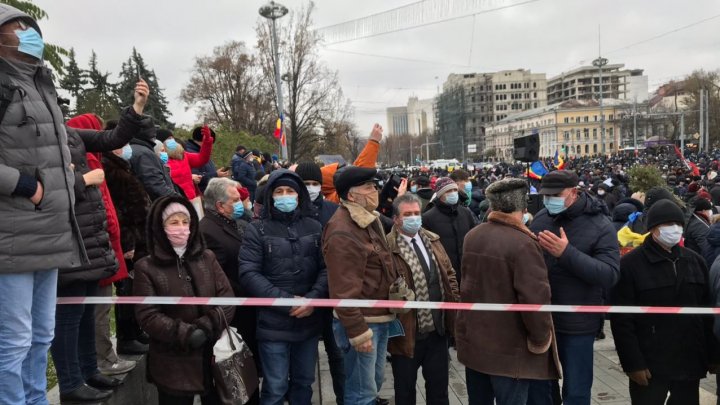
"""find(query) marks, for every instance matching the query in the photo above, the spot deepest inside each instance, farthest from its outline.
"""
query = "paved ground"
(610, 385)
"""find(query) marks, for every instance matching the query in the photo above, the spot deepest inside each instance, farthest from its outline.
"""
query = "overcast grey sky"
(547, 36)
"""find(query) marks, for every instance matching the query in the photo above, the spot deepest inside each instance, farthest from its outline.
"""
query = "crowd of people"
(91, 207)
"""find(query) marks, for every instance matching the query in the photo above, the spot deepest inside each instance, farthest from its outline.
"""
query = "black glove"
(197, 338)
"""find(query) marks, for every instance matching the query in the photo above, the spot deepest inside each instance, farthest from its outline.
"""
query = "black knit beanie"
(309, 171)
(163, 134)
(663, 212)
(656, 194)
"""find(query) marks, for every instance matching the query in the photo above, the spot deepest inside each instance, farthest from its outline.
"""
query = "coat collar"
(359, 214)
(656, 254)
(508, 220)
(228, 227)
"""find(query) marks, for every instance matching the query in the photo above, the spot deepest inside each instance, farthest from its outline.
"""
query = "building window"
(535, 94)
(587, 118)
(534, 85)
(566, 135)
(586, 132)
(587, 149)
(611, 146)
(567, 120)
(610, 117)
(472, 99)
(577, 134)
(577, 119)
(595, 133)
(595, 148)
(535, 105)
(610, 132)
(596, 118)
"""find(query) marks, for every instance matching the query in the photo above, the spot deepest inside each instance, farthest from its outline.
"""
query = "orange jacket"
(366, 158)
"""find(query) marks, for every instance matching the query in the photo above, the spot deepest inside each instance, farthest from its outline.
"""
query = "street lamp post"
(273, 11)
(599, 63)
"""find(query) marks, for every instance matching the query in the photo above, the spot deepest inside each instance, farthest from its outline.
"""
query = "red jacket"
(180, 169)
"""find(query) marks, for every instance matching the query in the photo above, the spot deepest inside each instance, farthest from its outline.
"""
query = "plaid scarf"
(422, 292)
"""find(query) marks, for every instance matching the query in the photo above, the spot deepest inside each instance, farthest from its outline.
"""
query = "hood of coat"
(158, 244)
(304, 208)
(623, 211)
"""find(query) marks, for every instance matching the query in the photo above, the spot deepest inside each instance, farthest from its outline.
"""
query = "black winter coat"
(281, 257)
(672, 347)
(451, 223)
(713, 239)
(590, 263)
(149, 169)
(131, 203)
(89, 209)
(224, 238)
(696, 233)
(323, 210)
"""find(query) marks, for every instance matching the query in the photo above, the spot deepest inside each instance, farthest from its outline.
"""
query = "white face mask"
(670, 235)
(314, 192)
(709, 214)
(601, 192)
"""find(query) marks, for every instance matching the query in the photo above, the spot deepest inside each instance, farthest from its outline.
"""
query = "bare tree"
(231, 91)
(708, 80)
(311, 85)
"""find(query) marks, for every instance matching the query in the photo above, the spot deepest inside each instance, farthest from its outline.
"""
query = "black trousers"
(431, 353)
(165, 398)
(681, 392)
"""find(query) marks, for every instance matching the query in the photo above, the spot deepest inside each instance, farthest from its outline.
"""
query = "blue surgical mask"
(526, 218)
(468, 188)
(126, 152)
(238, 210)
(554, 205)
(286, 203)
(31, 43)
(164, 157)
(451, 198)
(171, 145)
(411, 225)
(413, 189)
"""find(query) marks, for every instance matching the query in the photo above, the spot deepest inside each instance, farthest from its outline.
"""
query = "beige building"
(583, 83)
(573, 126)
(470, 102)
(416, 118)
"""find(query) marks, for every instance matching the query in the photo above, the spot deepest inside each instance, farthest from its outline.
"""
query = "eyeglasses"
(22, 24)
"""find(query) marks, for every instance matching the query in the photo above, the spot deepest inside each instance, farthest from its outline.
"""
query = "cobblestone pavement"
(610, 385)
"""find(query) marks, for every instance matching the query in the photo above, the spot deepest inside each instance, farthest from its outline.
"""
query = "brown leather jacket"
(405, 345)
(172, 365)
(360, 265)
(503, 263)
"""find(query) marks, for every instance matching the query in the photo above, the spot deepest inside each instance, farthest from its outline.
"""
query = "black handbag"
(233, 367)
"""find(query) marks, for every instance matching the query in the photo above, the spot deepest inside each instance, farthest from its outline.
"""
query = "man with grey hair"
(503, 263)
(222, 227)
(426, 267)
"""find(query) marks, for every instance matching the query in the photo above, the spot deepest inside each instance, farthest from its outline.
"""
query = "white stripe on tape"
(346, 303)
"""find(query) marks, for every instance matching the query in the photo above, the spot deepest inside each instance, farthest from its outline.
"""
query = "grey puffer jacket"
(33, 148)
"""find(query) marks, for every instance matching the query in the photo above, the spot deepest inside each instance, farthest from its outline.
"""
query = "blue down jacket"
(590, 263)
(281, 257)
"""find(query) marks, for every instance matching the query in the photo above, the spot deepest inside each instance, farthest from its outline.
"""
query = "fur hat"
(509, 195)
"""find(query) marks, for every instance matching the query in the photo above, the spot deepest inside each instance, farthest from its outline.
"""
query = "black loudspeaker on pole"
(526, 148)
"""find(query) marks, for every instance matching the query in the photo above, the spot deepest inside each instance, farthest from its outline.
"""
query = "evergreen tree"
(125, 90)
(100, 97)
(75, 78)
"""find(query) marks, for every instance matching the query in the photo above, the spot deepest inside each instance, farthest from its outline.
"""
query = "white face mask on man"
(670, 235)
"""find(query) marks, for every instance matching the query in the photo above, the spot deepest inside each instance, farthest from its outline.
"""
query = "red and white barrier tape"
(331, 303)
